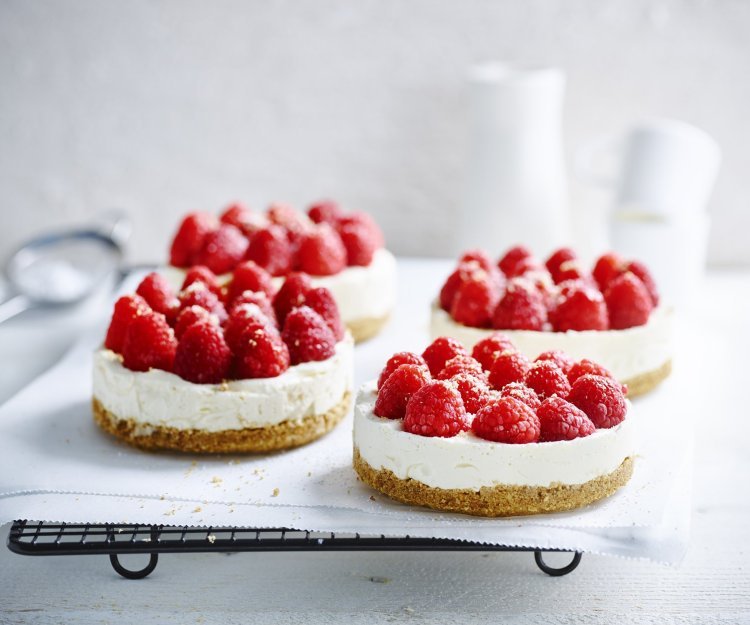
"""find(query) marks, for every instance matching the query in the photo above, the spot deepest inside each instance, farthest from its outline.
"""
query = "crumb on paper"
(372, 498)
(309, 474)
(216, 480)
(170, 512)
(162, 497)
(275, 492)
(197, 509)
(211, 538)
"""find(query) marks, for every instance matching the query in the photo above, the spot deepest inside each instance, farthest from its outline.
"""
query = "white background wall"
(162, 107)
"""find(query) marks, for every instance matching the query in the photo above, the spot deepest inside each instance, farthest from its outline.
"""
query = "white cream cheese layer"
(360, 292)
(157, 397)
(469, 462)
(626, 353)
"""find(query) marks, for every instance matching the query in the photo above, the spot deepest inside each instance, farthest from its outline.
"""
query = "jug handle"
(584, 164)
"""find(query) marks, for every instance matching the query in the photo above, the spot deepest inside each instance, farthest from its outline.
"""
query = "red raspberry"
(398, 359)
(558, 258)
(364, 220)
(474, 392)
(562, 421)
(222, 249)
(200, 273)
(607, 268)
(203, 356)
(237, 215)
(241, 317)
(397, 390)
(260, 353)
(270, 248)
(188, 240)
(520, 308)
(571, 270)
(560, 358)
(360, 244)
(322, 302)
(508, 367)
(159, 295)
(583, 367)
(260, 299)
(198, 294)
(127, 308)
(474, 302)
(547, 379)
(321, 252)
(284, 215)
(513, 260)
(581, 308)
(190, 315)
(149, 343)
(522, 393)
(480, 257)
(463, 273)
(628, 302)
(325, 211)
(291, 294)
(507, 420)
(641, 271)
(440, 351)
(488, 349)
(460, 364)
(600, 398)
(307, 336)
(526, 267)
(436, 409)
(249, 276)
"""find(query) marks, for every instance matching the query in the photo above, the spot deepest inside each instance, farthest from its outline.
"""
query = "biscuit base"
(284, 435)
(366, 328)
(646, 382)
(494, 501)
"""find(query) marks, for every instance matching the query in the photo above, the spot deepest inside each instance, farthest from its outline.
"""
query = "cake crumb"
(197, 509)
(216, 480)
(211, 538)
(275, 492)
(372, 498)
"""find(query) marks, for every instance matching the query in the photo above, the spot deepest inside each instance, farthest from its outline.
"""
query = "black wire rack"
(42, 538)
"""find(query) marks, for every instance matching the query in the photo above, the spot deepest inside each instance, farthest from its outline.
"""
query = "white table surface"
(711, 586)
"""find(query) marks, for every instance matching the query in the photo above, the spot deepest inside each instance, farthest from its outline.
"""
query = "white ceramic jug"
(516, 188)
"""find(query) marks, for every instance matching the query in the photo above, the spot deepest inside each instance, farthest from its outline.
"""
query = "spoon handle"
(13, 306)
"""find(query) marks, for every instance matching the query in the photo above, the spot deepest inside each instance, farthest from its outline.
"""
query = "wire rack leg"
(557, 572)
(140, 573)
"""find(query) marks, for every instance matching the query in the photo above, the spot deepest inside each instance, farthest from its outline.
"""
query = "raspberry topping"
(260, 353)
(488, 349)
(579, 308)
(307, 336)
(291, 294)
(321, 252)
(325, 211)
(260, 299)
(270, 249)
(474, 392)
(460, 364)
(547, 379)
(475, 301)
(127, 308)
(520, 308)
(522, 393)
(237, 215)
(641, 271)
(190, 315)
(436, 409)
(322, 302)
(558, 258)
(189, 238)
(398, 359)
(200, 273)
(365, 221)
(464, 272)
(600, 398)
(560, 358)
(202, 355)
(398, 389)
(628, 302)
(360, 243)
(515, 261)
(507, 420)
(198, 294)
(481, 258)
(571, 270)
(509, 366)
(607, 268)
(149, 343)
(159, 295)
(562, 421)
(585, 366)
(440, 351)
(222, 249)
(240, 318)
(249, 276)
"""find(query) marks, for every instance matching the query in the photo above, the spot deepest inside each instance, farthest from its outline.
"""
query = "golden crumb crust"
(284, 435)
(494, 501)
(646, 382)
(366, 328)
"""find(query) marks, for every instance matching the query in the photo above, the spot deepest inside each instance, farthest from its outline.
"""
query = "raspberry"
(509, 263)
(440, 351)
(237, 215)
(222, 249)
(474, 392)
(607, 267)
(583, 367)
(324, 211)
(249, 276)
(159, 295)
(560, 358)
(480, 257)
(364, 220)
(507, 420)
(600, 398)
(462, 273)
(241, 317)
(460, 364)
(522, 393)
(284, 215)
(260, 353)
(260, 299)
(560, 420)
(641, 271)
(398, 359)
(127, 308)
(360, 244)
(558, 258)
(200, 273)
(488, 349)
(149, 343)
(508, 367)
(321, 252)
(474, 302)
(291, 294)
(270, 248)
(571, 270)
(547, 379)
(322, 302)
(525, 267)
(520, 308)
(188, 240)
(202, 355)
(307, 336)
(580, 308)
(436, 409)
(190, 315)
(198, 294)
(398, 388)
(628, 302)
